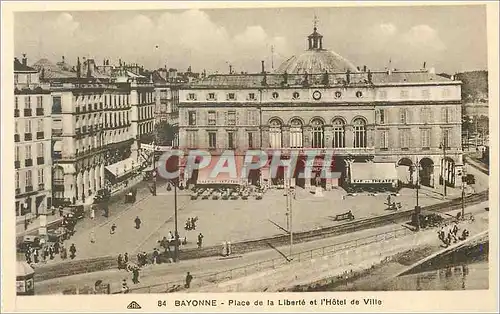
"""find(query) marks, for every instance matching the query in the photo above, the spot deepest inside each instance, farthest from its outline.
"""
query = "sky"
(449, 38)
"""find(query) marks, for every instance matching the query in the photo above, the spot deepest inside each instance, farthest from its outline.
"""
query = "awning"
(123, 167)
(210, 175)
(373, 172)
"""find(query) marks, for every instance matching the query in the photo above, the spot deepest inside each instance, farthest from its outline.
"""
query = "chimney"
(78, 68)
(348, 76)
(364, 68)
(230, 69)
(263, 70)
(359, 69)
(25, 60)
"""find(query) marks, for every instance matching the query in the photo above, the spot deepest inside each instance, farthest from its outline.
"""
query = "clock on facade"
(317, 95)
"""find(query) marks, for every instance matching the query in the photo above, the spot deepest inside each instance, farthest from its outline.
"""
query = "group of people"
(191, 223)
(45, 252)
(449, 234)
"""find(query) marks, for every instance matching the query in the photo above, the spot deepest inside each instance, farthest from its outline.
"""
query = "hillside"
(475, 85)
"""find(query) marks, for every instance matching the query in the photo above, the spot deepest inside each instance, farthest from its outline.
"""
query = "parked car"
(75, 211)
(103, 195)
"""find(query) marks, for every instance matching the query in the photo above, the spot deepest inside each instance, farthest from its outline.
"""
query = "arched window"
(317, 134)
(296, 134)
(359, 133)
(275, 133)
(338, 133)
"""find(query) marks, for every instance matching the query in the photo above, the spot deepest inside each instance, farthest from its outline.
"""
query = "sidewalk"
(35, 222)
(175, 273)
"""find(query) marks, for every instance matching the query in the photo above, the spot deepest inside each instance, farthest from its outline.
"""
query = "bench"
(344, 216)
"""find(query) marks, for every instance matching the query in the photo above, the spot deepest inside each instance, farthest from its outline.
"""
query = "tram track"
(68, 268)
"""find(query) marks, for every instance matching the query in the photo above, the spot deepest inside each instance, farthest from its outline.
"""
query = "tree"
(165, 133)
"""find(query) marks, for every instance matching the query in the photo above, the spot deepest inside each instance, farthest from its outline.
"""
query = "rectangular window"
(384, 139)
(27, 102)
(230, 140)
(404, 138)
(231, 96)
(425, 115)
(231, 118)
(40, 149)
(39, 101)
(17, 180)
(426, 94)
(28, 152)
(16, 103)
(192, 118)
(29, 178)
(18, 153)
(425, 136)
(211, 96)
(446, 138)
(251, 117)
(251, 96)
(41, 179)
(212, 140)
(27, 126)
(446, 115)
(192, 139)
(382, 116)
(250, 140)
(56, 104)
(382, 94)
(403, 114)
(39, 125)
(212, 118)
(191, 96)
(16, 127)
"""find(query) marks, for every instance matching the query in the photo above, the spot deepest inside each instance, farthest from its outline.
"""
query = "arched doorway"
(405, 172)
(447, 171)
(426, 175)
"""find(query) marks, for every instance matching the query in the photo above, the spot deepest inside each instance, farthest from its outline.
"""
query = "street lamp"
(176, 253)
(416, 167)
(443, 172)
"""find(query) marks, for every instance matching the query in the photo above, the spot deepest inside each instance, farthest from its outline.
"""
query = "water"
(469, 276)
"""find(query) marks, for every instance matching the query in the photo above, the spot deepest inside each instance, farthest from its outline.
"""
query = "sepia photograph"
(250, 149)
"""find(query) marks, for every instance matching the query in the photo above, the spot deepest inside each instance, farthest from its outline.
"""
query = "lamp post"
(176, 253)
(416, 167)
(443, 172)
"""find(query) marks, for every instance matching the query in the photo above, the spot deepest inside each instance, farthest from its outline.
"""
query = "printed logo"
(134, 306)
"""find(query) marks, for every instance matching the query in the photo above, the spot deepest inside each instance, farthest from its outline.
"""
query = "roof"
(53, 71)
(316, 61)
(278, 80)
(19, 67)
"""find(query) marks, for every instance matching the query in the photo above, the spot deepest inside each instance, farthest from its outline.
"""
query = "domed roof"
(316, 59)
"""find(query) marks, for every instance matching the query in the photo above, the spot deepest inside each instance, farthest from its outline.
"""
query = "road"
(174, 273)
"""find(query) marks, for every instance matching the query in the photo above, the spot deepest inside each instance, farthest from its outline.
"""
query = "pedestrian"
(26, 223)
(120, 261)
(92, 236)
(135, 275)
(125, 259)
(27, 256)
(35, 256)
(229, 251)
(125, 288)
(60, 211)
(189, 278)
(72, 250)
(92, 213)
(137, 222)
(113, 229)
(193, 223)
(56, 247)
(455, 229)
(200, 240)
(64, 252)
(155, 256)
(170, 236)
(51, 252)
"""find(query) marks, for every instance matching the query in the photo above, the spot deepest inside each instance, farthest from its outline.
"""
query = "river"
(471, 272)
